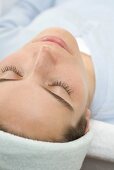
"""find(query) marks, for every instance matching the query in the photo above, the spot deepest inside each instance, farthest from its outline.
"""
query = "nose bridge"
(44, 62)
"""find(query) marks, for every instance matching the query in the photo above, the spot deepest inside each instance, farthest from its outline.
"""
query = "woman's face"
(43, 87)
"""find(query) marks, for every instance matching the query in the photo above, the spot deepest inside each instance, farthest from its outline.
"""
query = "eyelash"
(12, 68)
(55, 83)
(63, 85)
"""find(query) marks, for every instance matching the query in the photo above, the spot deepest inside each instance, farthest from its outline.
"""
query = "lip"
(56, 40)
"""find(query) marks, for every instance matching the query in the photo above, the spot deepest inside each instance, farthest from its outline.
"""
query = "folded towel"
(17, 153)
(102, 146)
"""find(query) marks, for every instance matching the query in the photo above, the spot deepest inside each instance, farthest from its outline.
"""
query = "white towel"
(17, 153)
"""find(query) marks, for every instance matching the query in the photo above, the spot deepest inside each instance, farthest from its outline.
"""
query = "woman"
(49, 86)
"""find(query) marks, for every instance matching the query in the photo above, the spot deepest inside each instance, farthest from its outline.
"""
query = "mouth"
(56, 40)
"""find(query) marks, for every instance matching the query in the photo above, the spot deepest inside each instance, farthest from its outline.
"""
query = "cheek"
(22, 58)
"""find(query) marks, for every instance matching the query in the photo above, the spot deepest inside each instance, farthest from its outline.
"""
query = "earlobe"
(87, 117)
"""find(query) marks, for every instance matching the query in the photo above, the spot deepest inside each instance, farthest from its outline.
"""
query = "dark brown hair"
(73, 133)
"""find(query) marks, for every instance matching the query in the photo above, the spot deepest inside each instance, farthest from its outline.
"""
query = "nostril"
(46, 53)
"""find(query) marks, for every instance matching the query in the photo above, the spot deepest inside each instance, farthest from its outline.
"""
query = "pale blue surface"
(19, 17)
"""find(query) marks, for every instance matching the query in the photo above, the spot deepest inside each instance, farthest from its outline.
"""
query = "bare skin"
(27, 105)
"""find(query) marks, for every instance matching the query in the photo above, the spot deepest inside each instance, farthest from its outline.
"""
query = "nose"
(44, 62)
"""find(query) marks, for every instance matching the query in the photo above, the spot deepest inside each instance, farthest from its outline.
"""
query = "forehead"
(29, 109)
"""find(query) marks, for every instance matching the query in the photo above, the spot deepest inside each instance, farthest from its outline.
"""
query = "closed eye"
(19, 72)
(13, 69)
(62, 84)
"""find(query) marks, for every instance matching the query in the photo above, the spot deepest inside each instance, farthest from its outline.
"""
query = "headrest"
(17, 153)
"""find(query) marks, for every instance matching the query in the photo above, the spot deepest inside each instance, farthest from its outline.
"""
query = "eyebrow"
(58, 98)
(3, 80)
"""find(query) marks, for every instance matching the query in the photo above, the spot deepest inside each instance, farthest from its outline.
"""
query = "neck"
(90, 76)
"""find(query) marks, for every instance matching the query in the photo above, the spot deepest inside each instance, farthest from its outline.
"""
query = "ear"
(87, 117)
